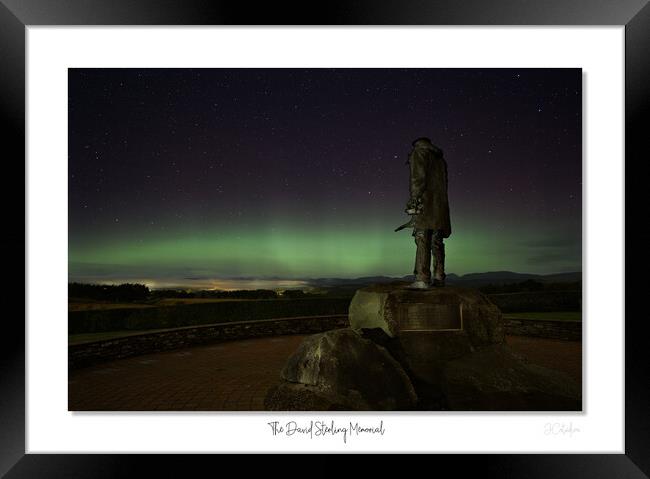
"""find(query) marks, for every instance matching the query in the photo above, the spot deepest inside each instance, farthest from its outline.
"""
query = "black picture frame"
(15, 15)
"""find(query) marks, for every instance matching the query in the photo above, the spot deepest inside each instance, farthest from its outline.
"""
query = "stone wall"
(552, 329)
(92, 352)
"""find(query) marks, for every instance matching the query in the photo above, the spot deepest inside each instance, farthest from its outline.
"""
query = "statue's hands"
(414, 206)
(410, 205)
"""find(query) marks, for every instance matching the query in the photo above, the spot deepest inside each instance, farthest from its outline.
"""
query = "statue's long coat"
(429, 182)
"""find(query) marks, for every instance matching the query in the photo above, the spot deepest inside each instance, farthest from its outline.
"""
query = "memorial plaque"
(430, 317)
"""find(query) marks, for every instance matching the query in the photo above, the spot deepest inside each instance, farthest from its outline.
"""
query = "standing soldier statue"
(429, 209)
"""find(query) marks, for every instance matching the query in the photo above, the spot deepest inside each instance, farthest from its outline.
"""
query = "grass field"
(552, 315)
(95, 306)
(87, 337)
(90, 305)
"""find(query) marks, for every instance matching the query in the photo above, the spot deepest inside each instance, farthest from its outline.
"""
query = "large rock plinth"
(429, 327)
(395, 309)
(440, 348)
(340, 370)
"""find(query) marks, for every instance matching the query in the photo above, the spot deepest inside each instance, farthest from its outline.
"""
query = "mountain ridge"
(494, 277)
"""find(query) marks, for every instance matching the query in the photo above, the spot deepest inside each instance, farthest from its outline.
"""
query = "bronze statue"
(428, 206)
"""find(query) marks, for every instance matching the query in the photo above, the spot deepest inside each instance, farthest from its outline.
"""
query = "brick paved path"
(232, 376)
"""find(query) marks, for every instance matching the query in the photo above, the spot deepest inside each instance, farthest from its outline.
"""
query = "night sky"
(199, 176)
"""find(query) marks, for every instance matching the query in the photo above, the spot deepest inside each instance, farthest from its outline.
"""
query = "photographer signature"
(560, 428)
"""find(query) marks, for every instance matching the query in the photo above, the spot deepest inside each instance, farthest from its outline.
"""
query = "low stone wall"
(92, 352)
(544, 328)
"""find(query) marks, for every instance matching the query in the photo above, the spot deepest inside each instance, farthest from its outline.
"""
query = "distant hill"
(332, 282)
(509, 277)
(498, 276)
(470, 279)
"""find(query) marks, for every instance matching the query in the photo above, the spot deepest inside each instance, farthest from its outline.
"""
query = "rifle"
(410, 223)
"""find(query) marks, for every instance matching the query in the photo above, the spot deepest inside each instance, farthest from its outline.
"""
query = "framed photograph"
(382, 229)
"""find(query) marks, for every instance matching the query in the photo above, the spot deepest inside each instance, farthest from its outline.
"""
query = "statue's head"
(425, 143)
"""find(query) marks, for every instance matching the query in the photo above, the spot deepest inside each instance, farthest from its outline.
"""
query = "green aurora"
(293, 252)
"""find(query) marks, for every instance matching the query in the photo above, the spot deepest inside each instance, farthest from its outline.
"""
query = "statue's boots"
(438, 247)
(419, 285)
(422, 268)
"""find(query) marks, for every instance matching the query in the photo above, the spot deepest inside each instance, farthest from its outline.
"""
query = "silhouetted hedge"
(109, 292)
(530, 285)
(236, 294)
(538, 301)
